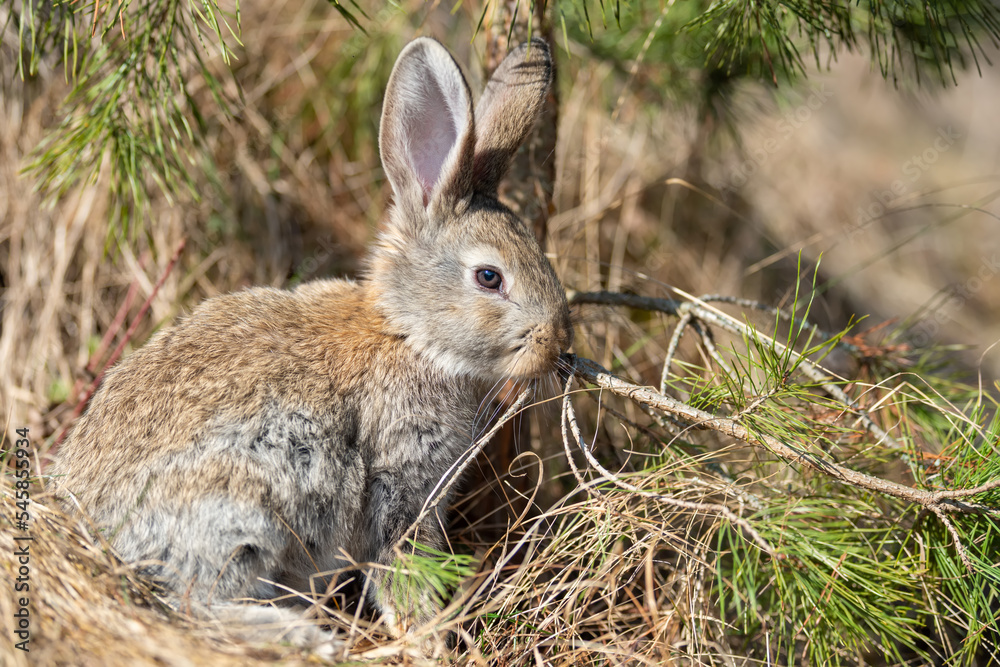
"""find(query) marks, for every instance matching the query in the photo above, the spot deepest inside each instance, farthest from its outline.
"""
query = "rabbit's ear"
(507, 110)
(427, 134)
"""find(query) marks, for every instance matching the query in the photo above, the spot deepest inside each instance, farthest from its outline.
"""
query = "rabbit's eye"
(489, 278)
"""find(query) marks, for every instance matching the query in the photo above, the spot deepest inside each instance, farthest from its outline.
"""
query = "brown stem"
(530, 183)
(116, 324)
(454, 473)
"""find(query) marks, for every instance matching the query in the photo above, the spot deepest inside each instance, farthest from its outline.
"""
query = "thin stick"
(675, 341)
(959, 547)
(116, 324)
(454, 473)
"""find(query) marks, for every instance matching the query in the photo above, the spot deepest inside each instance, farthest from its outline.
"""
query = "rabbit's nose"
(539, 350)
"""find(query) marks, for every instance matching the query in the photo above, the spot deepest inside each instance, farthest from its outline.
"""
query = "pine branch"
(698, 310)
(939, 502)
(773, 37)
(129, 120)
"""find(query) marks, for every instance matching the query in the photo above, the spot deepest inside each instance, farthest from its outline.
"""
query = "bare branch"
(92, 388)
(959, 547)
(675, 341)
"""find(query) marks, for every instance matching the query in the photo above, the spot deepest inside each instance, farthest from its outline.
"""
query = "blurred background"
(669, 172)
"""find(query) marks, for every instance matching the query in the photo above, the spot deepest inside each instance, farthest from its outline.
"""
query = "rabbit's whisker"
(484, 406)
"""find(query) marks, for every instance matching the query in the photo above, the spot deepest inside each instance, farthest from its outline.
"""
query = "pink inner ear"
(432, 134)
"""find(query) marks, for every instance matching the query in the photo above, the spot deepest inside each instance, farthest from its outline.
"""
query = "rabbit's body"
(275, 434)
(291, 439)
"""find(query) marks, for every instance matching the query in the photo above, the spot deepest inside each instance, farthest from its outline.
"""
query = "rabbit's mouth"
(537, 351)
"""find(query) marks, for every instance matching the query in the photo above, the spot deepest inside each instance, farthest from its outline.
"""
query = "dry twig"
(89, 393)
(454, 473)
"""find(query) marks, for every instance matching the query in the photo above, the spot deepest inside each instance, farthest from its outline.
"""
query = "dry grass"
(604, 581)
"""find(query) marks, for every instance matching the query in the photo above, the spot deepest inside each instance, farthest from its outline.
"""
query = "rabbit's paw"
(320, 642)
(262, 623)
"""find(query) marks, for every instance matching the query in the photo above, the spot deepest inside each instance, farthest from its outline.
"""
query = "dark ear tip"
(535, 44)
(532, 58)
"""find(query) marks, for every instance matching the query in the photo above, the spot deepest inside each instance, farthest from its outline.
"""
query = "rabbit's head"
(454, 270)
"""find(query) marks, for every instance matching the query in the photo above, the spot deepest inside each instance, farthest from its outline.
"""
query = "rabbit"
(270, 432)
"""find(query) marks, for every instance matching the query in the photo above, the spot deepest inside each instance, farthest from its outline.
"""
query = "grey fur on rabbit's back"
(271, 431)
